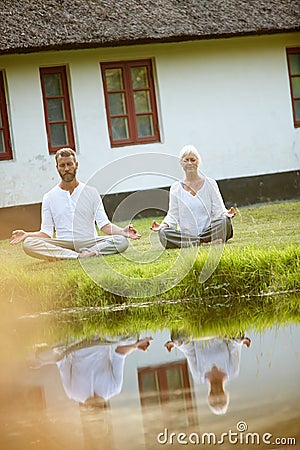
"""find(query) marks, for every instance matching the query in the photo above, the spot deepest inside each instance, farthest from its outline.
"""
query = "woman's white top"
(192, 214)
(202, 356)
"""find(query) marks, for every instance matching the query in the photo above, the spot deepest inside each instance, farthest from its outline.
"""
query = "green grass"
(263, 257)
(197, 318)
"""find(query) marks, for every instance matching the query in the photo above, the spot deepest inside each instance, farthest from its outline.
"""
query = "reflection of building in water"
(166, 397)
(35, 411)
(97, 427)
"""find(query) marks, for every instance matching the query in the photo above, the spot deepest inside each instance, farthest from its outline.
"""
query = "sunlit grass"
(263, 257)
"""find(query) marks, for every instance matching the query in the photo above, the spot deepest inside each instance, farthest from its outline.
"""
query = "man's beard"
(68, 177)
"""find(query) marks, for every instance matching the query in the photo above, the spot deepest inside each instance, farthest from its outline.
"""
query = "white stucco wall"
(229, 97)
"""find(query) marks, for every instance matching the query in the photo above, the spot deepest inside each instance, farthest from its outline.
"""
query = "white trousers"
(52, 248)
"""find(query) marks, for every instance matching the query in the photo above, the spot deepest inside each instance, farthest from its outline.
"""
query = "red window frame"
(4, 129)
(131, 114)
(61, 70)
(293, 51)
(163, 392)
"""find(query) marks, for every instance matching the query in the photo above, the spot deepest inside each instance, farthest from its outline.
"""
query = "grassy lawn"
(250, 284)
(263, 256)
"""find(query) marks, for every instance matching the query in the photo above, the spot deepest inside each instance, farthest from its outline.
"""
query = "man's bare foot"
(88, 254)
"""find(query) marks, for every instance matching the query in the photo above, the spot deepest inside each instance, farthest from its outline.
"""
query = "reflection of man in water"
(92, 372)
(213, 361)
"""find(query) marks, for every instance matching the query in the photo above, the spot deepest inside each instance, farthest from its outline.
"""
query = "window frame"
(292, 51)
(131, 114)
(164, 392)
(67, 107)
(7, 154)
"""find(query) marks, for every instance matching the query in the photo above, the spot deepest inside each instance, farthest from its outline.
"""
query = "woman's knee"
(229, 229)
(162, 234)
(169, 238)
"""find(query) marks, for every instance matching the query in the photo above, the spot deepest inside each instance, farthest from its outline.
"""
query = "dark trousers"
(219, 229)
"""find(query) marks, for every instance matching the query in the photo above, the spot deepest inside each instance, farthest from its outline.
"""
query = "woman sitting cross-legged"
(197, 214)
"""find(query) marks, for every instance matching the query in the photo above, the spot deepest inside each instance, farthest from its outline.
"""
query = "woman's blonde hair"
(189, 150)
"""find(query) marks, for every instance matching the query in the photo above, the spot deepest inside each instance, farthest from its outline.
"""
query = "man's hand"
(143, 344)
(18, 236)
(130, 232)
(231, 213)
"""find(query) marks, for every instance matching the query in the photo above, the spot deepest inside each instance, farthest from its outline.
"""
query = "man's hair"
(66, 151)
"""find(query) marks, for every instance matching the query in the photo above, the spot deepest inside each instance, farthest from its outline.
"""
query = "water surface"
(161, 402)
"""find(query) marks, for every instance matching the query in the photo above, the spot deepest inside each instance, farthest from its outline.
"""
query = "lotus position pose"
(197, 214)
(91, 372)
(70, 210)
(213, 361)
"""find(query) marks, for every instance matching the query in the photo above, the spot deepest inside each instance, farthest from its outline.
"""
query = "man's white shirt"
(73, 216)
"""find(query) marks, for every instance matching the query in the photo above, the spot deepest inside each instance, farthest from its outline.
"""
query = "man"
(70, 210)
(91, 370)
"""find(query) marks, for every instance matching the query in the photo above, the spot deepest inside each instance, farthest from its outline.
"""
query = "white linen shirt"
(193, 214)
(202, 356)
(73, 216)
(91, 371)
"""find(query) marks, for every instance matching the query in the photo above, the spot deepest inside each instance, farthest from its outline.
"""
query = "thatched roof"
(37, 25)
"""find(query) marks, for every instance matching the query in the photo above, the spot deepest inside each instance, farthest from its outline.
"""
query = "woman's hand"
(231, 213)
(158, 226)
(155, 226)
(169, 346)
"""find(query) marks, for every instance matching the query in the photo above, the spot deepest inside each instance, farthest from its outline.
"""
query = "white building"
(114, 83)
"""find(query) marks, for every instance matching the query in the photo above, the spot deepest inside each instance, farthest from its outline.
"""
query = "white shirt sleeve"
(118, 361)
(173, 212)
(47, 219)
(235, 349)
(100, 214)
(190, 353)
(218, 207)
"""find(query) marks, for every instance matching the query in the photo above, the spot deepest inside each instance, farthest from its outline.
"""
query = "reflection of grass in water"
(197, 318)
(263, 256)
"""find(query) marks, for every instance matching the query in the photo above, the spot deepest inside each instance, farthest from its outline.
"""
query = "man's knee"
(28, 245)
(121, 243)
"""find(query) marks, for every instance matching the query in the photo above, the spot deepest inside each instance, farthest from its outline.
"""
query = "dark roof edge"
(123, 43)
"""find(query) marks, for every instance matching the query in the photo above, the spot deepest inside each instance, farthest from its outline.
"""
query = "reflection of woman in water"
(213, 361)
(92, 371)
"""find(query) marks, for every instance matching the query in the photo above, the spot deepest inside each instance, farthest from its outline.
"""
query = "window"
(293, 56)
(130, 102)
(57, 108)
(166, 389)
(5, 144)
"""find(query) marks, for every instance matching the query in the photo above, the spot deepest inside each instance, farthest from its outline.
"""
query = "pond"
(149, 397)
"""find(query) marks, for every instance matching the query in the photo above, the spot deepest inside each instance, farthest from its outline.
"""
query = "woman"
(196, 214)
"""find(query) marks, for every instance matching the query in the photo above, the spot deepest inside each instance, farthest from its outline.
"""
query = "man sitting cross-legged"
(70, 210)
